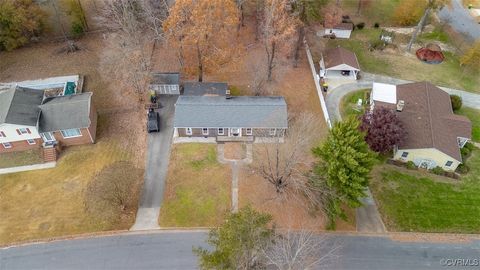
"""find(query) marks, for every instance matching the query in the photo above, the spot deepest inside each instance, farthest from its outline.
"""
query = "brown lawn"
(50, 203)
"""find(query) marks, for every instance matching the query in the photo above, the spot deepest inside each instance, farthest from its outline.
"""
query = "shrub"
(410, 165)
(456, 102)
(361, 25)
(469, 146)
(77, 29)
(463, 169)
(377, 45)
(376, 25)
(438, 171)
(465, 152)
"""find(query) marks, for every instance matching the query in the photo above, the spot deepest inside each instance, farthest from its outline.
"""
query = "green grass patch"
(474, 116)
(412, 202)
(372, 12)
(197, 191)
(348, 105)
(436, 35)
(23, 158)
(235, 90)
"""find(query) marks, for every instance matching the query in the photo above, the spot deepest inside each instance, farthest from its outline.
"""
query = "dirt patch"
(235, 151)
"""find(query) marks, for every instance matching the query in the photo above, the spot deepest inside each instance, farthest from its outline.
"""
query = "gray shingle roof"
(217, 112)
(204, 88)
(165, 78)
(19, 106)
(65, 112)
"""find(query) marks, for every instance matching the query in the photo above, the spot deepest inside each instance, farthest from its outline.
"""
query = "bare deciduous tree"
(282, 162)
(277, 29)
(112, 189)
(301, 250)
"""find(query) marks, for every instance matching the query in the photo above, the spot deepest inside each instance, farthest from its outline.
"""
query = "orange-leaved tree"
(203, 30)
(278, 29)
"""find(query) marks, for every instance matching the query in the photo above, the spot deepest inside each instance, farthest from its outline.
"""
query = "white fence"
(316, 78)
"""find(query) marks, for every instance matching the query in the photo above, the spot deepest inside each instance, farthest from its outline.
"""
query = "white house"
(434, 133)
(339, 62)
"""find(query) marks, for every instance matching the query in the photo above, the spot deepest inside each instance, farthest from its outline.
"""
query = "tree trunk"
(359, 6)
(200, 64)
(85, 24)
(242, 16)
(301, 35)
(270, 57)
(417, 29)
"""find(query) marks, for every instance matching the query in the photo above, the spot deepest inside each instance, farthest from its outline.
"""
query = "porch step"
(49, 154)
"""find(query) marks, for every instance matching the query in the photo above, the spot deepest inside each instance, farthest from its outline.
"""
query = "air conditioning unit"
(227, 94)
(400, 105)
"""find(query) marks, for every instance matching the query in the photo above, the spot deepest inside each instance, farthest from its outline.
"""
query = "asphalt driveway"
(158, 155)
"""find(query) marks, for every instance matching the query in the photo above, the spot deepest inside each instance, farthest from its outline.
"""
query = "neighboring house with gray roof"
(435, 134)
(30, 120)
(230, 118)
(205, 88)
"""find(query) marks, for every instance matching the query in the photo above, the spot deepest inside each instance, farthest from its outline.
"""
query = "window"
(71, 133)
(221, 131)
(188, 131)
(205, 131)
(31, 141)
(2, 134)
(21, 131)
(449, 163)
(249, 131)
(404, 154)
(7, 145)
(272, 132)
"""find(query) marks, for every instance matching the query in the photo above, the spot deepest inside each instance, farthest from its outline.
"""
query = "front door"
(235, 132)
(48, 137)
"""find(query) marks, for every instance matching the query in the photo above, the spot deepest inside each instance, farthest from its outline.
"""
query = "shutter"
(18, 131)
(28, 130)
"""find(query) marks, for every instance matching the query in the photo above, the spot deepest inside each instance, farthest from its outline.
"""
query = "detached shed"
(339, 62)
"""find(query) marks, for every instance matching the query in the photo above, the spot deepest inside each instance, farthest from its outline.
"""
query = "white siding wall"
(12, 135)
(417, 155)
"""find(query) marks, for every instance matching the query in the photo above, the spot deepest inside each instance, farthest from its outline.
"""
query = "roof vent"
(227, 94)
(400, 105)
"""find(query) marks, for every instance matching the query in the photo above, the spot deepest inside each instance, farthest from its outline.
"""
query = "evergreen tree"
(239, 242)
(346, 164)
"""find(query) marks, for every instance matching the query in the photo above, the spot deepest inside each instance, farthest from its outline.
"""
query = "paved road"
(168, 250)
(460, 19)
(158, 154)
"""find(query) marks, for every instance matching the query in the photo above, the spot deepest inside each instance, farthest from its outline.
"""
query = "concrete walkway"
(25, 168)
(158, 155)
(235, 165)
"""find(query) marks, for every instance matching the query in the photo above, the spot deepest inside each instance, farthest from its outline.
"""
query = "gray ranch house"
(227, 118)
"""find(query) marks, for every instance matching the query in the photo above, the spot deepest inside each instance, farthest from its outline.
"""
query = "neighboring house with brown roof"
(339, 62)
(341, 30)
(434, 133)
